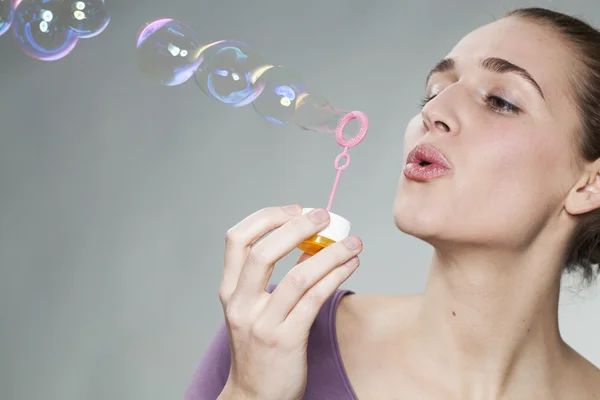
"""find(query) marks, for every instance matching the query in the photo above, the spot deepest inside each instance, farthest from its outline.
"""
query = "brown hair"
(583, 254)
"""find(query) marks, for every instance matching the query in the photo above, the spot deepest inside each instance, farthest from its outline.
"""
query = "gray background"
(115, 192)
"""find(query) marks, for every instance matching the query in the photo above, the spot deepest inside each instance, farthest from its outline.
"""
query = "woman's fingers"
(303, 280)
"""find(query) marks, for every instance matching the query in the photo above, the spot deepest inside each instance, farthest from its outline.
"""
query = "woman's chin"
(418, 217)
(414, 225)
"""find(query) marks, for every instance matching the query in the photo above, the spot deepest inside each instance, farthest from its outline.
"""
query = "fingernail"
(351, 263)
(293, 209)
(318, 215)
(352, 242)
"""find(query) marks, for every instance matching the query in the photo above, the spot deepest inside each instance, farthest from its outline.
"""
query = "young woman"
(502, 178)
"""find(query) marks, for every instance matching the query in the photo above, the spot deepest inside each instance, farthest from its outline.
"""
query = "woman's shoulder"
(583, 377)
(365, 321)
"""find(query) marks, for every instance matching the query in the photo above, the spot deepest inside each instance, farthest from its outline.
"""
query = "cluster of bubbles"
(48, 30)
(231, 72)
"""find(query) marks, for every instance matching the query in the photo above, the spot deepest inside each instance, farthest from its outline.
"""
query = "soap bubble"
(280, 88)
(228, 73)
(6, 16)
(314, 113)
(168, 51)
(87, 18)
(39, 31)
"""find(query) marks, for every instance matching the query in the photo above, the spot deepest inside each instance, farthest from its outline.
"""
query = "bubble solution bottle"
(337, 230)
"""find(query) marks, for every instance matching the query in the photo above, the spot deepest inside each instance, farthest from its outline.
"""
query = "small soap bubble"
(39, 31)
(87, 18)
(168, 51)
(6, 16)
(228, 73)
(280, 88)
(315, 114)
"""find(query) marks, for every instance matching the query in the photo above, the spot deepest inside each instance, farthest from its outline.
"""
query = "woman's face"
(499, 110)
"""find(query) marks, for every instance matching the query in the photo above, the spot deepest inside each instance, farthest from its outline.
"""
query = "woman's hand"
(269, 332)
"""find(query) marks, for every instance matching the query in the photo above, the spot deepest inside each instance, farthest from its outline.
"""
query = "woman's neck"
(489, 322)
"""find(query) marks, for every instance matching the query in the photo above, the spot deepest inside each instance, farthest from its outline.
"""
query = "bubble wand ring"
(347, 144)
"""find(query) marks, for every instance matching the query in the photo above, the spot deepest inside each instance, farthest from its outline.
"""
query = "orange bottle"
(338, 229)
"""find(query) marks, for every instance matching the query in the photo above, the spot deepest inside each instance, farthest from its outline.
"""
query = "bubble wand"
(339, 227)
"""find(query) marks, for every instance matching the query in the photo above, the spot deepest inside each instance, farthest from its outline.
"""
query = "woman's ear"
(585, 195)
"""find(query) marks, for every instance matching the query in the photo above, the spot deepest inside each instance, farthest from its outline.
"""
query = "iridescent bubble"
(227, 73)
(39, 31)
(280, 88)
(168, 51)
(6, 16)
(87, 18)
(314, 113)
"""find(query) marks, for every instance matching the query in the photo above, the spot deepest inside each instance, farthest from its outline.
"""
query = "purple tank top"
(327, 379)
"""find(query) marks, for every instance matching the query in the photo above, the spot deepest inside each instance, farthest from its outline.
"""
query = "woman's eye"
(426, 99)
(495, 103)
(498, 104)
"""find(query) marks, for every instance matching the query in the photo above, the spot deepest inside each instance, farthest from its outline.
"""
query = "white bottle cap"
(338, 228)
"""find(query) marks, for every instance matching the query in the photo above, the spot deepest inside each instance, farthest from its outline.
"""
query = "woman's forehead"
(529, 45)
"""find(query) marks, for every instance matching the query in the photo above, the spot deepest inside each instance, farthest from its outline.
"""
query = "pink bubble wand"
(347, 144)
(339, 227)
